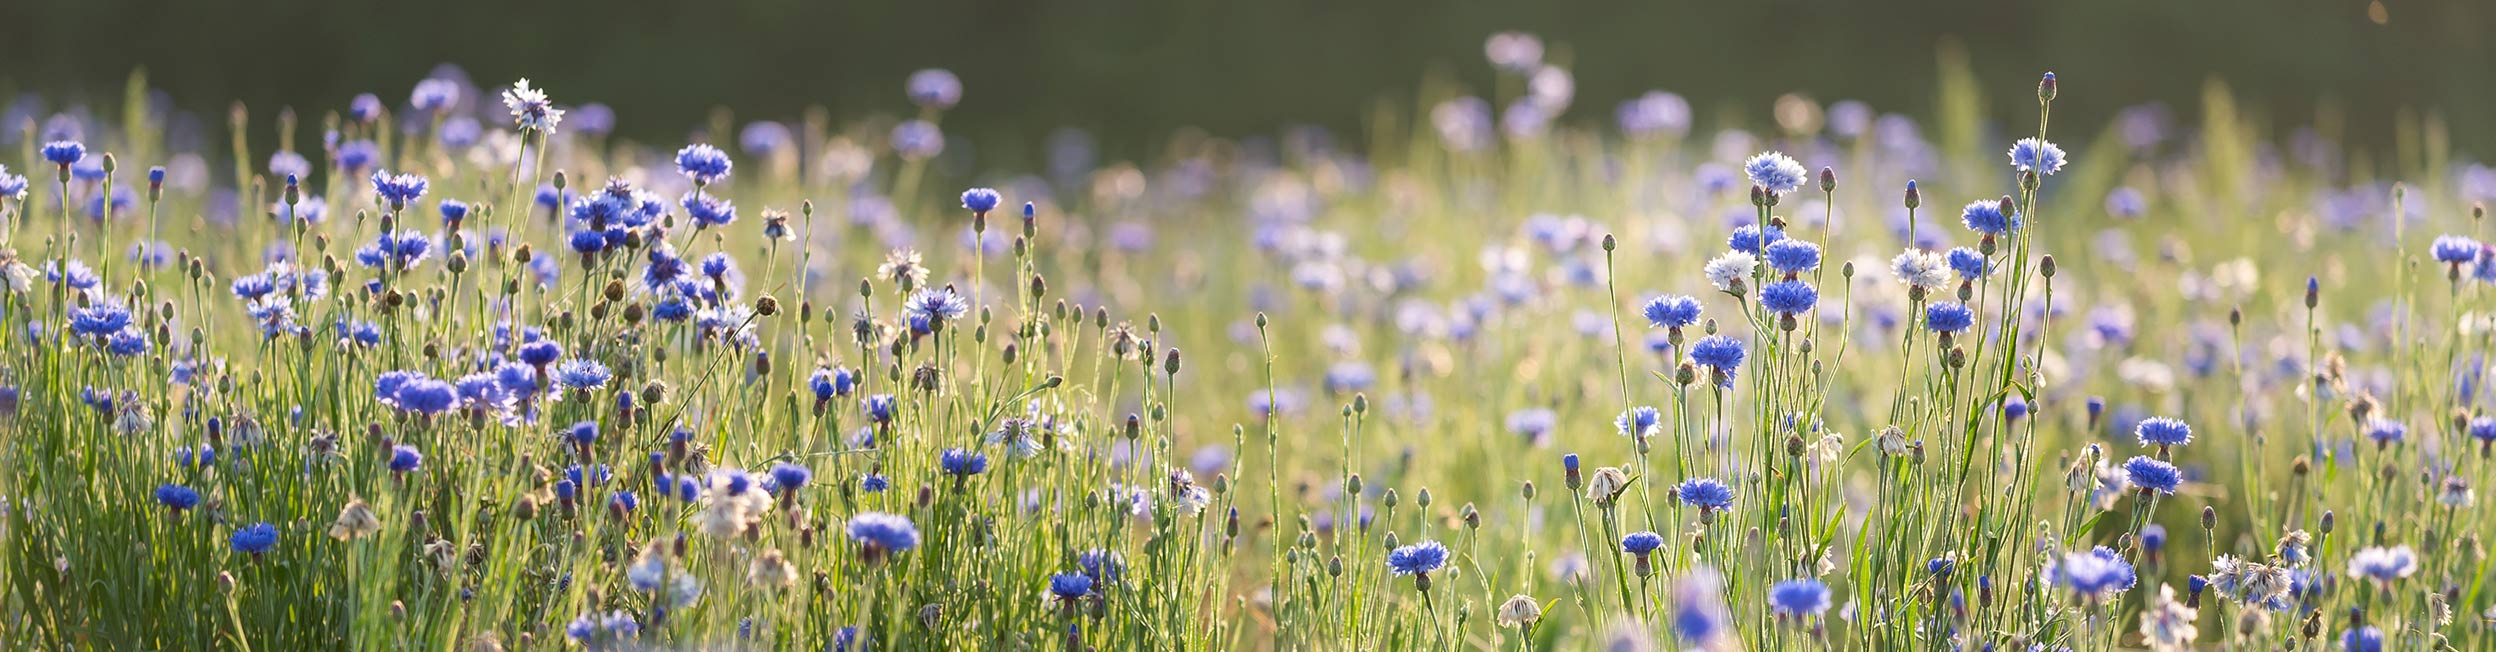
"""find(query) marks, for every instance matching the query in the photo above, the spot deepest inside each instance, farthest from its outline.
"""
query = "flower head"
(2163, 431)
(2152, 475)
(1948, 317)
(1641, 543)
(1798, 598)
(704, 164)
(64, 152)
(254, 539)
(2386, 432)
(980, 200)
(398, 189)
(1727, 270)
(404, 459)
(1989, 217)
(2455, 249)
(884, 532)
(1672, 311)
(1793, 256)
(2098, 574)
(1789, 297)
(1720, 353)
(1417, 559)
(530, 110)
(1705, 493)
(934, 88)
(1775, 172)
(1641, 421)
(963, 462)
(177, 497)
(2034, 155)
(2383, 565)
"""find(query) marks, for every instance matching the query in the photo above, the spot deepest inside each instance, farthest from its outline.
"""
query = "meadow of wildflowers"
(467, 372)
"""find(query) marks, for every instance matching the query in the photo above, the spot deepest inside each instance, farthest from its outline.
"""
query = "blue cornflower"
(586, 242)
(1798, 598)
(1638, 422)
(708, 211)
(2455, 249)
(2034, 155)
(1720, 353)
(829, 382)
(128, 342)
(1941, 567)
(2364, 638)
(386, 385)
(963, 463)
(1672, 311)
(1989, 217)
(88, 170)
(1775, 172)
(935, 305)
(790, 477)
(704, 164)
(623, 502)
(2152, 475)
(177, 497)
(2163, 432)
(1070, 586)
(365, 107)
(884, 532)
(2483, 429)
(540, 353)
(530, 110)
(718, 266)
(398, 189)
(879, 407)
(1948, 317)
(2386, 432)
(2014, 407)
(78, 275)
(12, 186)
(580, 374)
(405, 458)
(1641, 543)
(1789, 297)
(290, 165)
(255, 538)
(64, 152)
(874, 482)
(980, 200)
(1417, 559)
(1793, 256)
(453, 211)
(583, 433)
(2098, 574)
(479, 390)
(356, 155)
(918, 140)
(1969, 263)
(426, 396)
(434, 95)
(1705, 493)
(672, 309)
(98, 320)
(934, 88)
(2383, 565)
(1753, 239)
(2153, 537)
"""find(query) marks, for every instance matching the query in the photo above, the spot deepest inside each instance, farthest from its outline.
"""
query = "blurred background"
(1134, 73)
